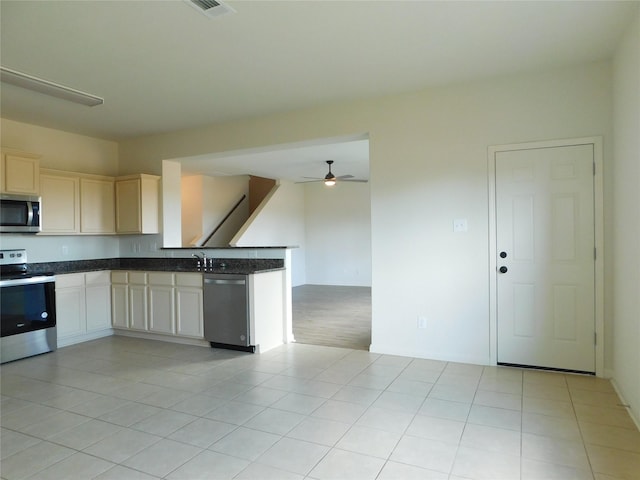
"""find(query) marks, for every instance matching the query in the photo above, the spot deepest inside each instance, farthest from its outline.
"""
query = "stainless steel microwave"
(19, 213)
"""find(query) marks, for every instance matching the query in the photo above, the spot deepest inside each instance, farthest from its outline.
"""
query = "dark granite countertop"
(232, 266)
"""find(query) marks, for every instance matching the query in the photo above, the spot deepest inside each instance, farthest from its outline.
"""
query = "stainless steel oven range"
(27, 308)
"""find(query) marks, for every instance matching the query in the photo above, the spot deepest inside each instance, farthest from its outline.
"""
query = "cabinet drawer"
(119, 277)
(98, 278)
(161, 278)
(70, 280)
(189, 279)
(139, 278)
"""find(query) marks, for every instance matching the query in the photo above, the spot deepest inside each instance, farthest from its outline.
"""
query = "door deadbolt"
(503, 254)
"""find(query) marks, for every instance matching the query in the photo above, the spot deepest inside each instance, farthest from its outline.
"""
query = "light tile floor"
(124, 408)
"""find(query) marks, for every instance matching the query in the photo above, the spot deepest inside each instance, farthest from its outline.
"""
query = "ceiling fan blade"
(314, 178)
(342, 177)
(312, 181)
(356, 180)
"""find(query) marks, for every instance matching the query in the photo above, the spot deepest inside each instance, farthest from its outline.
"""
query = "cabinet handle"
(214, 281)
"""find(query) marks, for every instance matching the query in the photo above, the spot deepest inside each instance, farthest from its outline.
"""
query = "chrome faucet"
(203, 262)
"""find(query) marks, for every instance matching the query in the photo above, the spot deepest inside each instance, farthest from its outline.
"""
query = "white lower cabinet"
(158, 302)
(138, 301)
(70, 305)
(83, 306)
(189, 305)
(120, 299)
(162, 304)
(98, 300)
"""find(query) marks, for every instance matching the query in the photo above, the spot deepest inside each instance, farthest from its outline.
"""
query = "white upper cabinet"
(137, 204)
(20, 173)
(74, 203)
(60, 203)
(97, 212)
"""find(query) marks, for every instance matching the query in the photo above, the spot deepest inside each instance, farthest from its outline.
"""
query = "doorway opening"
(332, 315)
(331, 305)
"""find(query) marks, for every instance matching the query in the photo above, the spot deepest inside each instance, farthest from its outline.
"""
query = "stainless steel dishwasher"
(226, 311)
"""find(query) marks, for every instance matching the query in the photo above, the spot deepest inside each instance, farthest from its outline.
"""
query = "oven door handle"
(27, 281)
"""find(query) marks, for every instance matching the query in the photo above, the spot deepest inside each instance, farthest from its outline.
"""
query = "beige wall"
(428, 160)
(626, 220)
(192, 206)
(278, 222)
(338, 234)
(62, 150)
(220, 195)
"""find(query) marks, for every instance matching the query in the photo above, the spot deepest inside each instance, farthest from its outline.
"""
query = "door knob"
(503, 269)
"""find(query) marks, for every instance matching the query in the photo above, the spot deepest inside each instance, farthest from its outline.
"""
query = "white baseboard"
(635, 419)
(85, 337)
(162, 338)
(377, 348)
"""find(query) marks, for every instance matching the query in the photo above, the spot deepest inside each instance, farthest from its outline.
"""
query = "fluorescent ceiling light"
(46, 87)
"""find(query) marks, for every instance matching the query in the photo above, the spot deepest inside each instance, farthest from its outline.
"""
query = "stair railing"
(226, 217)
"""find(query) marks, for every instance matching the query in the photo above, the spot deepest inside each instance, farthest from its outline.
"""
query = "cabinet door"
(60, 204)
(128, 208)
(98, 300)
(138, 307)
(150, 202)
(70, 308)
(120, 305)
(21, 174)
(97, 206)
(137, 204)
(189, 316)
(161, 309)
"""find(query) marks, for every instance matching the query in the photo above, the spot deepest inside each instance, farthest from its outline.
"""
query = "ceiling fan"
(330, 179)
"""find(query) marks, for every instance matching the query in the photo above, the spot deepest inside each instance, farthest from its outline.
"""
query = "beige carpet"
(334, 316)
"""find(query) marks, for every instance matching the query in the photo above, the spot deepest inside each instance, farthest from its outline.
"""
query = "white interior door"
(545, 241)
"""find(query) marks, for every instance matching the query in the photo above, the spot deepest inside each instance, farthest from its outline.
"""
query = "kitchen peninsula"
(162, 298)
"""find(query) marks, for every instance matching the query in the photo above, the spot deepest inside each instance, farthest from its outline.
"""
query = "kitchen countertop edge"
(232, 266)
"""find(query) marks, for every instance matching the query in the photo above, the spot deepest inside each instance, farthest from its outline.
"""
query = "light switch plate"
(460, 225)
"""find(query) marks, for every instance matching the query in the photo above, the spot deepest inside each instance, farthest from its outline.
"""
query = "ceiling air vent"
(211, 8)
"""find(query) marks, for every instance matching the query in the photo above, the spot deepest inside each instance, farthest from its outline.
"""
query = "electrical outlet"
(65, 250)
(422, 321)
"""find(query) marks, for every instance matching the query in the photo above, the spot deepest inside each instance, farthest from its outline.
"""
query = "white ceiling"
(288, 162)
(162, 66)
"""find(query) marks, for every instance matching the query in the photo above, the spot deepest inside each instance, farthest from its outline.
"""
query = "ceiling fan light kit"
(330, 182)
(29, 82)
(329, 178)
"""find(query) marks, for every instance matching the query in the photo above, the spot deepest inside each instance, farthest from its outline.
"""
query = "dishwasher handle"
(219, 281)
